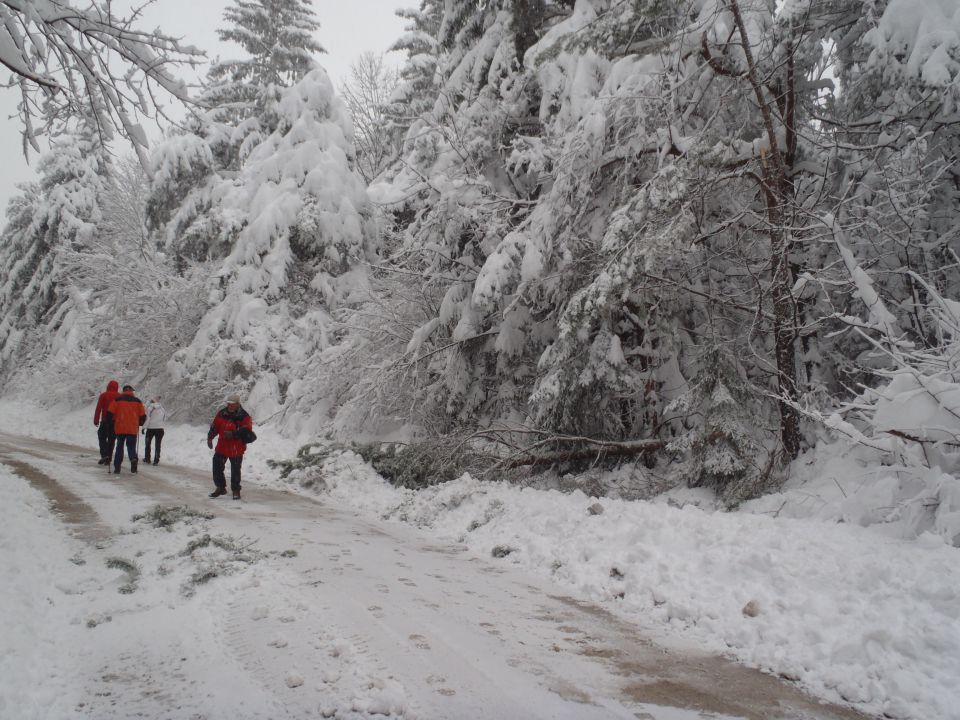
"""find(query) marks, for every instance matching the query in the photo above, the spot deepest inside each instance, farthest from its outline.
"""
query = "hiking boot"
(103, 461)
(236, 494)
(116, 469)
(133, 466)
(156, 462)
(218, 492)
(146, 460)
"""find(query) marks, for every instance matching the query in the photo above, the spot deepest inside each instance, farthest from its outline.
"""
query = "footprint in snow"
(420, 642)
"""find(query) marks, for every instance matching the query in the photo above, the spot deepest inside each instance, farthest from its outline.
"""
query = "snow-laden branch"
(88, 61)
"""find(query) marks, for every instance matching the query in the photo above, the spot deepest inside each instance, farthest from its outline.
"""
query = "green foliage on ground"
(160, 516)
(130, 568)
(413, 465)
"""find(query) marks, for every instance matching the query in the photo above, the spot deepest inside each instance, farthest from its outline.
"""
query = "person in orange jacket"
(104, 427)
(233, 428)
(127, 414)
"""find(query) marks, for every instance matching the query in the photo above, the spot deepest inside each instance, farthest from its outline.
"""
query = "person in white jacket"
(153, 428)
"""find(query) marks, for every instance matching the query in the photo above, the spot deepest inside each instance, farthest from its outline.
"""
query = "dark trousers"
(131, 442)
(106, 437)
(219, 464)
(151, 434)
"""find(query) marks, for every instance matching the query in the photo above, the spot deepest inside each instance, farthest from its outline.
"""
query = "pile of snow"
(845, 482)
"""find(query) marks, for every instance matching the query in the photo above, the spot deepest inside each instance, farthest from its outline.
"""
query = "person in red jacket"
(233, 428)
(127, 414)
(104, 427)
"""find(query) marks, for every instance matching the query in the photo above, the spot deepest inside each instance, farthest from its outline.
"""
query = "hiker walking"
(154, 429)
(233, 428)
(103, 424)
(127, 414)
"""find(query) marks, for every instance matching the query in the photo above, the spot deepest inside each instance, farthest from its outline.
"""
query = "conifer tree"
(20, 260)
(299, 227)
(457, 192)
(720, 440)
(61, 218)
(277, 38)
(180, 205)
(419, 83)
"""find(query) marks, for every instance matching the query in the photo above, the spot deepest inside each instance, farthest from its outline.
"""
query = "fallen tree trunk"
(600, 449)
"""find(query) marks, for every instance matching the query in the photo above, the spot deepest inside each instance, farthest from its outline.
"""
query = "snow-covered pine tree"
(720, 437)
(669, 201)
(20, 260)
(180, 210)
(629, 191)
(456, 197)
(300, 227)
(277, 37)
(193, 167)
(36, 292)
(419, 82)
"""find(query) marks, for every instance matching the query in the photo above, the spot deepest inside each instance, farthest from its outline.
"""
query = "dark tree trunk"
(528, 16)
(777, 189)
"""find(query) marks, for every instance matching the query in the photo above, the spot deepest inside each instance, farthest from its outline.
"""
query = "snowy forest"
(715, 242)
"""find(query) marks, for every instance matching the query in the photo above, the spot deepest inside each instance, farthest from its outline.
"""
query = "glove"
(228, 434)
(143, 431)
(210, 443)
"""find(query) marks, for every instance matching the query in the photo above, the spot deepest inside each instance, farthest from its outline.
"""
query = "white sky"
(347, 29)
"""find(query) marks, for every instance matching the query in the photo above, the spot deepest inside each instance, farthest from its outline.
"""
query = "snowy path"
(314, 612)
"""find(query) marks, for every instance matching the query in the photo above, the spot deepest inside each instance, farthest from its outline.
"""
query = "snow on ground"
(850, 612)
(32, 546)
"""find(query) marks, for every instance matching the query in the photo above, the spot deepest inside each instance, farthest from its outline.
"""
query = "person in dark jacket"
(230, 426)
(127, 414)
(104, 426)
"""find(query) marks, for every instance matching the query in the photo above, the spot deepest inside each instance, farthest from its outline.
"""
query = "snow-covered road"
(284, 607)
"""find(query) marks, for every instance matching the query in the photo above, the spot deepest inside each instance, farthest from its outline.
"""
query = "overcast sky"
(347, 29)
